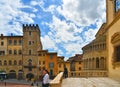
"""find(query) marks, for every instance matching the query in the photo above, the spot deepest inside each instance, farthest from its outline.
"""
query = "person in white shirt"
(45, 82)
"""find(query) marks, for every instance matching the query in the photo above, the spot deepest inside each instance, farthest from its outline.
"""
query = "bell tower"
(110, 9)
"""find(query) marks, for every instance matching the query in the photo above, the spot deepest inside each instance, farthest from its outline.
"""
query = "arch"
(20, 74)
(15, 52)
(10, 62)
(87, 64)
(12, 74)
(97, 63)
(30, 76)
(90, 63)
(20, 62)
(15, 62)
(93, 63)
(19, 51)
(5, 62)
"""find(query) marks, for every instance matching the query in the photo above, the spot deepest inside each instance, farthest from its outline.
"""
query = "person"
(45, 81)
(65, 72)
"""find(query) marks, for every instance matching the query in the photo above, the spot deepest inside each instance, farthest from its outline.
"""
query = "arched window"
(15, 52)
(15, 62)
(5, 62)
(30, 52)
(10, 62)
(10, 51)
(20, 52)
(97, 62)
(20, 62)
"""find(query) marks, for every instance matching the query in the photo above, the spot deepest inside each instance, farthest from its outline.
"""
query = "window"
(15, 52)
(30, 43)
(59, 65)
(30, 52)
(15, 62)
(30, 68)
(79, 62)
(43, 54)
(10, 42)
(39, 68)
(117, 50)
(97, 63)
(20, 62)
(2, 52)
(10, 62)
(79, 68)
(39, 62)
(20, 52)
(43, 62)
(29, 32)
(51, 56)
(20, 42)
(0, 62)
(10, 51)
(5, 62)
(2, 43)
(51, 65)
(15, 42)
(39, 54)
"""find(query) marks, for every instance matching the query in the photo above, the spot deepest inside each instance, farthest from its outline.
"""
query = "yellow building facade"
(103, 53)
(75, 65)
(113, 39)
(95, 55)
(22, 57)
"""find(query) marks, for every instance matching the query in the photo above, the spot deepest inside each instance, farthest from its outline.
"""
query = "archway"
(12, 74)
(29, 76)
(20, 74)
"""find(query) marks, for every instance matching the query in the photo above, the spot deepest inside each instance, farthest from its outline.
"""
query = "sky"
(66, 25)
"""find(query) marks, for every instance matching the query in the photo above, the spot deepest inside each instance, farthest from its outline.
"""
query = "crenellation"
(30, 27)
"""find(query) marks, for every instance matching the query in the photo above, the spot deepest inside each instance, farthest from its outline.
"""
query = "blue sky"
(66, 25)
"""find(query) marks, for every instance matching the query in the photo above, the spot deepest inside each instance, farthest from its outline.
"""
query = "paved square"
(90, 82)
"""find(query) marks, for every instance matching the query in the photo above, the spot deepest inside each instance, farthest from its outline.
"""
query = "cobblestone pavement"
(90, 82)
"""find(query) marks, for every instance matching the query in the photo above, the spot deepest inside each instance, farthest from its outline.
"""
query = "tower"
(31, 46)
(110, 9)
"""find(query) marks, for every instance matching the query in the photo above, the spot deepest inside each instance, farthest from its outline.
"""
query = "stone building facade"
(95, 55)
(103, 54)
(22, 57)
(113, 38)
(75, 65)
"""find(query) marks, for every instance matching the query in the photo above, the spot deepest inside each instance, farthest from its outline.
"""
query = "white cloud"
(67, 33)
(48, 42)
(33, 3)
(81, 13)
(12, 17)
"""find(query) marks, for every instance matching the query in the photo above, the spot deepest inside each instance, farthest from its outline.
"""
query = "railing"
(92, 73)
(56, 82)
